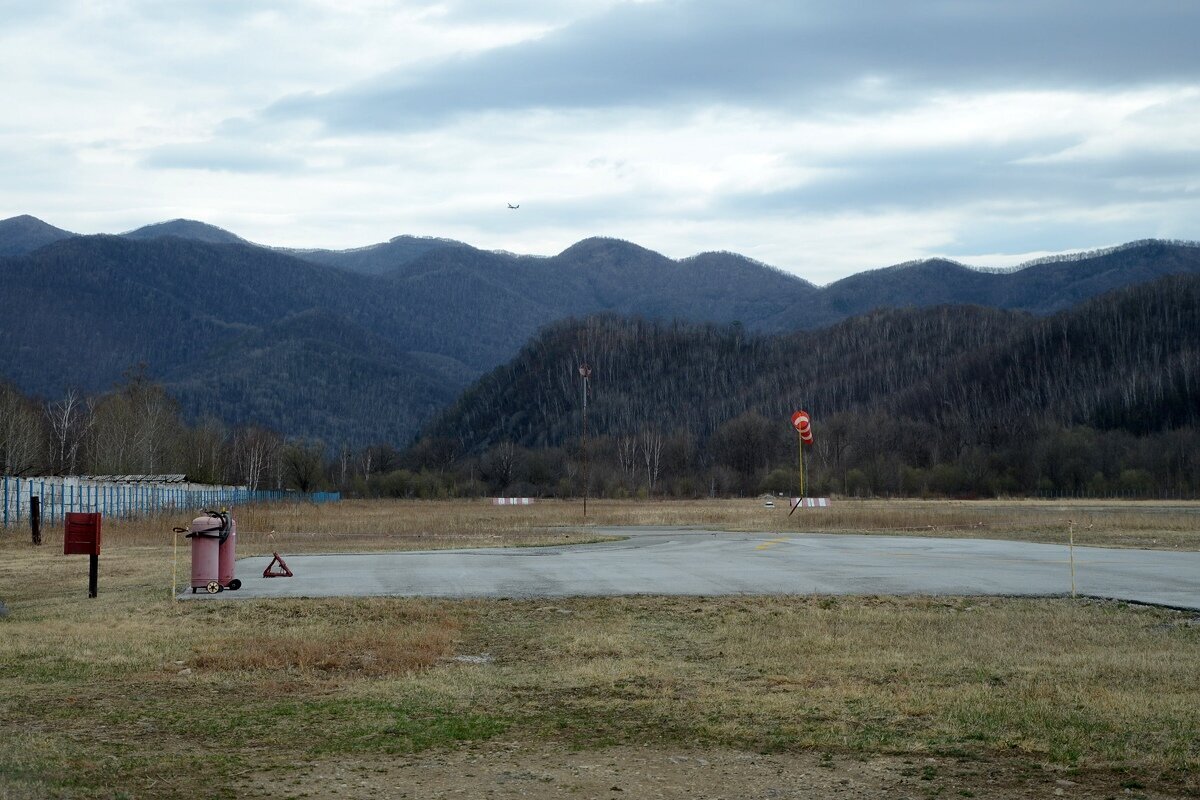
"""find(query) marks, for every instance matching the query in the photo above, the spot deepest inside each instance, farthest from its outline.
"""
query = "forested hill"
(253, 335)
(1050, 285)
(1129, 360)
(245, 334)
(24, 234)
(353, 347)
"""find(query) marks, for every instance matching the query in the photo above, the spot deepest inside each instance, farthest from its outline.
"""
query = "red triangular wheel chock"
(283, 572)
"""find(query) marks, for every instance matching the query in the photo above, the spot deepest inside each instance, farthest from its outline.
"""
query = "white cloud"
(822, 139)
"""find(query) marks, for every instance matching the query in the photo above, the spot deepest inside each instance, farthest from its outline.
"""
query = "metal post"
(93, 573)
(800, 438)
(800, 499)
(586, 481)
(35, 518)
(585, 372)
(1071, 548)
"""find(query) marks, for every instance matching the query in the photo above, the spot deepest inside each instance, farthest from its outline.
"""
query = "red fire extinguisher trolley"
(214, 551)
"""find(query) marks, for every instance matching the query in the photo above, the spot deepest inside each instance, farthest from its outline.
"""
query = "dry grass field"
(133, 695)
(415, 524)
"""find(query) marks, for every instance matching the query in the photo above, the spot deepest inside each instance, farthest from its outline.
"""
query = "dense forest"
(963, 401)
(367, 345)
(1101, 399)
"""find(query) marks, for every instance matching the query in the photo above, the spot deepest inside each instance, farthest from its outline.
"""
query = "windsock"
(803, 425)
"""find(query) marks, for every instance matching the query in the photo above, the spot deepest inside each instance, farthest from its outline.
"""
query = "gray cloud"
(19, 12)
(521, 11)
(953, 176)
(999, 233)
(782, 52)
(221, 157)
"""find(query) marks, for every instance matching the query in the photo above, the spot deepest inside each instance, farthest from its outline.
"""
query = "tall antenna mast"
(585, 372)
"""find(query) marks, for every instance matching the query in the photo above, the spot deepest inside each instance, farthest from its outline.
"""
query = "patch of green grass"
(366, 725)
(26, 778)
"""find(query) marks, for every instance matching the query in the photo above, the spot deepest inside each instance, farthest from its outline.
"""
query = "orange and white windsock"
(803, 424)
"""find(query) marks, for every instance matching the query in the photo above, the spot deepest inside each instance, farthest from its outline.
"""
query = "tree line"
(137, 429)
(964, 401)
(855, 455)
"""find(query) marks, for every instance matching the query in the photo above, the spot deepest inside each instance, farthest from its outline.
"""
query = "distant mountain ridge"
(375, 259)
(24, 234)
(366, 345)
(186, 229)
(1085, 254)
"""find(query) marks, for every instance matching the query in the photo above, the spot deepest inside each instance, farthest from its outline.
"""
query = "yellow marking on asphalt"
(767, 545)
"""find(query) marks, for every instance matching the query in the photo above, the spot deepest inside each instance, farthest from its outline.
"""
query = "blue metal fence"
(62, 495)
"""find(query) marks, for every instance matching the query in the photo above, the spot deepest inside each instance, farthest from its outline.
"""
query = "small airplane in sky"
(510, 205)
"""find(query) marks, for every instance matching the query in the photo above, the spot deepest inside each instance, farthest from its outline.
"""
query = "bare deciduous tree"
(70, 420)
(20, 434)
(652, 446)
(255, 451)
(302, 464)
(627, 451)
(136, 430)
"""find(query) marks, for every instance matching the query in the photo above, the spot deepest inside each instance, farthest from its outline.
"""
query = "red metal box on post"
(82, 535)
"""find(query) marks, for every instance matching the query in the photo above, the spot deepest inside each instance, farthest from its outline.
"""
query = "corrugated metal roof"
(159, 479)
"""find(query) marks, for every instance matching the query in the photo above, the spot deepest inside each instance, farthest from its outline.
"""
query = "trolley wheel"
(213, 587)
(234, 585)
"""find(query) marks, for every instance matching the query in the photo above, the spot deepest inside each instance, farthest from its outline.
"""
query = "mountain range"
(362, 345)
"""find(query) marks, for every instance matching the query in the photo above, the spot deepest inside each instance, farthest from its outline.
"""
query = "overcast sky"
(821, 137)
